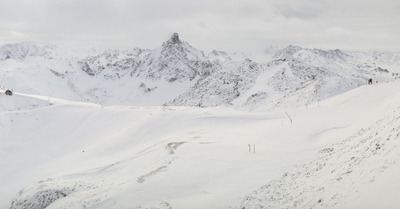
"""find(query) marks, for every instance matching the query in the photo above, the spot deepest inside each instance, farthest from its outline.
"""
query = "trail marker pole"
(291, 121)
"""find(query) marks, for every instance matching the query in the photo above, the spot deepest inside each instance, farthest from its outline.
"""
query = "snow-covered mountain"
(129, 133)
(179, 74)
(24, 50)
(222, 87)
(175, 61)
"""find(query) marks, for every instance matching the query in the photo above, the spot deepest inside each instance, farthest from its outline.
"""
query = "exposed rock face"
(222, 87)
(175, 39)
(44, 193)
(175, 61)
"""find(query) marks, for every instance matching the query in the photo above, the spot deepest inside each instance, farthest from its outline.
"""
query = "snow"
(177, 74)
(383, 193)
(337, 153)
(301, 129)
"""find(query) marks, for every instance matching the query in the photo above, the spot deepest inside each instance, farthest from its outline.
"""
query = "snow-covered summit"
(300, 76)
(175, 60)
(23, 50)
(316, 56)
(113, 63)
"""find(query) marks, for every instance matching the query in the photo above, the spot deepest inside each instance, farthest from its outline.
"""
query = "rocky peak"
(175, 39)
(173, 44)
(175, 60)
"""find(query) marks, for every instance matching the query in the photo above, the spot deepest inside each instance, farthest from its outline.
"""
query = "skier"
(370, 81)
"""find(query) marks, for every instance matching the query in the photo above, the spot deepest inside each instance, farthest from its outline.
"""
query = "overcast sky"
(228, 25)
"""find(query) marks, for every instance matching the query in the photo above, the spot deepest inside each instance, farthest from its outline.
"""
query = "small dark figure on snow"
(370, 81)
(8, 92)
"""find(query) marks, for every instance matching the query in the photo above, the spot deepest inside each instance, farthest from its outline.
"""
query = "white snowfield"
(343, 152)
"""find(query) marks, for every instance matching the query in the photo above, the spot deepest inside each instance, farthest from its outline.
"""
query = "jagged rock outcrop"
(113, 63)
(222, 87)
(44, 193)
(175, 61)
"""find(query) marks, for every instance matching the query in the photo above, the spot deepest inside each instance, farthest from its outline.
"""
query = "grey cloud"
(302, 9)
(231, 25)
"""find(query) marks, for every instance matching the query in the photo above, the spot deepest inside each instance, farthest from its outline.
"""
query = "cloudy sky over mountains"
(230, 25)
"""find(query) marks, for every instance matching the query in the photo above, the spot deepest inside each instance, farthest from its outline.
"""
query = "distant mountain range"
(179, 74)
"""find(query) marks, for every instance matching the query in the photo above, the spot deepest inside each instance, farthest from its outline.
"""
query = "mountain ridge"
(178, 74)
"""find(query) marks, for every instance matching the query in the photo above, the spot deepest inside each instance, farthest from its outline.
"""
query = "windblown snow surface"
(342, 152)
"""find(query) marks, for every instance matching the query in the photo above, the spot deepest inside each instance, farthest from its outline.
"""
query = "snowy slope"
(61, 154)
(346, 173)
